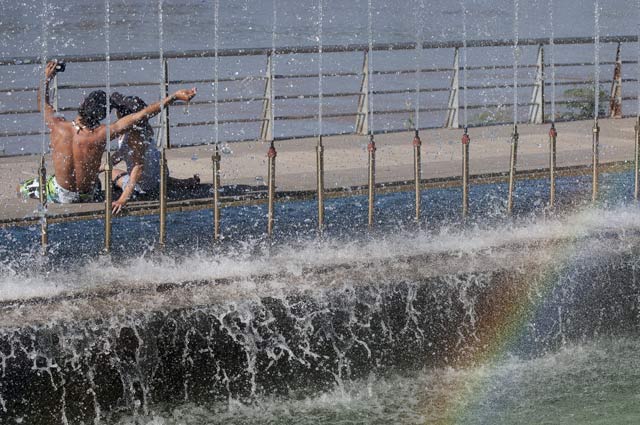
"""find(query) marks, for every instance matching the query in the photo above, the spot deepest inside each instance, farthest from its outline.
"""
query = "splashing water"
(107, 35)
(320, 77)
(553, 62)
(370, 63)
(419, 55)
(596, 53)
(44, 53)
(464, 60)
(216, 43)
(516, 59)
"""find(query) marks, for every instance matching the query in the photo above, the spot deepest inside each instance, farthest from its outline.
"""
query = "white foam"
(293, 258)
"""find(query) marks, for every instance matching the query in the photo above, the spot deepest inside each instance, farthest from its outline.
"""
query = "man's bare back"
(77, 146)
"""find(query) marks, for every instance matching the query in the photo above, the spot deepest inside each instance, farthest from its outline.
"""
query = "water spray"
(417, 143)
(215, 158)
(514, 135)
(271, 153)
(371, 147)
(465, 137)
(596, 93)
(319, 146)
(164, 118)
(108, 168)
(553, 134)
(42, 170)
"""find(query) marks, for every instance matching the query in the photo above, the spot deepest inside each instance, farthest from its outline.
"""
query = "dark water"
(77, 27)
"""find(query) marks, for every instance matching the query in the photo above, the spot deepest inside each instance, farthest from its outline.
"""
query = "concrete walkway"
(346, 159)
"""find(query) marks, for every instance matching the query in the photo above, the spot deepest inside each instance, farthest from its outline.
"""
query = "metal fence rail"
(285, 101)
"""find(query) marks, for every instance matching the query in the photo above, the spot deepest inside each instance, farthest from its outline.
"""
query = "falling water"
(464, 61)
(553, 62)
(273, 67)
(216, 41)
(107, 34)
(516, 57)
(320, 19)
(45, 37)
(161, 55)
(638, 34)
(419, 56)
(596, 70)
(370, 65)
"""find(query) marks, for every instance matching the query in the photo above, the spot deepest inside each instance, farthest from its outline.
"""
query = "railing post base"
(512, 168)
(271, 181)
(320, 184)
(596, 160)
(215, 159)
(371, 148)
(465, 173)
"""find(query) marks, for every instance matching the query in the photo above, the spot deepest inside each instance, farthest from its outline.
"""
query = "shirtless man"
(77, 146)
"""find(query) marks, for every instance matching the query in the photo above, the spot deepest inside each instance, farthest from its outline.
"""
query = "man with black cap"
(77, 146)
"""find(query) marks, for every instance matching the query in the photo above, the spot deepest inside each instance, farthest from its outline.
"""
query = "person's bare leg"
(115, 177)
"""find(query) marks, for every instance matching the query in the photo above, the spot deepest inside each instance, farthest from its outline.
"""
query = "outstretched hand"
(50, 70)
(117, 206)
(185, 95)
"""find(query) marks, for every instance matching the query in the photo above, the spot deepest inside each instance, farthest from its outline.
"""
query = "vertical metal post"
(320, 182)
(553, 135)
(512, 168)
(465, 173)
(215, 158)
(165, 111)
(596, 159)
(162, 237)
(536, 109)
(166, 131)
(266, 128)
(615, 97)
(636, 192)
(108, 199)
(44, 228)
(417, 171)
(453, 108)
(362, 117)
(371, 148)
(271, 181)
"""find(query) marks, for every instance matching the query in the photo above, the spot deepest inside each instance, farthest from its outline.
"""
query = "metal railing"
(360, 116)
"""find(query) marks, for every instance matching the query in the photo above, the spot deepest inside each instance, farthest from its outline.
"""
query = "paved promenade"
(346, 159)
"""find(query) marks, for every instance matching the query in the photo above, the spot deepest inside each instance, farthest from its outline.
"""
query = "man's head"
(93, 108)
(126, 105)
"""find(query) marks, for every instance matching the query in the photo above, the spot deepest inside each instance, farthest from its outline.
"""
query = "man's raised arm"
(125, 123)
(49, 112)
